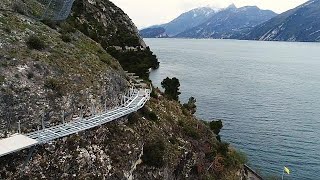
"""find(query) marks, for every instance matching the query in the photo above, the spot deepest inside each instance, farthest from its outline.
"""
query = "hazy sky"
(149, 12)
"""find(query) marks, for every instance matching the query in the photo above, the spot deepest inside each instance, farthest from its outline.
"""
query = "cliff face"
(105, 23)
(49, 69)
(38, 84)
(176, 146)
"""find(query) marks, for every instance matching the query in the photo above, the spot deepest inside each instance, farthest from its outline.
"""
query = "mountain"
(187, 20)
(158, 32)
(298, 24)
(229, 22)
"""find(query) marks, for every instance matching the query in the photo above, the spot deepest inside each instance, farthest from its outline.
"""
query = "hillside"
(298, 24)
(228, 23)
(49, 69)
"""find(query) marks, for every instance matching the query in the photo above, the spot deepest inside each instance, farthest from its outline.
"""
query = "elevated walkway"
(17, 142)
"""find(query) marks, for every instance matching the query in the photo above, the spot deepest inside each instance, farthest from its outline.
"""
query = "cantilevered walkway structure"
(136, 100)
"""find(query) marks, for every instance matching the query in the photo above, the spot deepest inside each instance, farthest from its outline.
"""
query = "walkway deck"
(137, 100)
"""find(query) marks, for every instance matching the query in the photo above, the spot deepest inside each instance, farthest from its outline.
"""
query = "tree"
(191, 105)
(171, 87)
(216, 126)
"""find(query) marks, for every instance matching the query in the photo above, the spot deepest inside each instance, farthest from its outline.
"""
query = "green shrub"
(30, 75)
(173, 140)
(191, 105)
(216, 126)
(153, 116)
(191, 131)
(153, 94)
(66, 28)
(2, 80)
(133, 117)
(54, 85)
(153, 153)
(50, 23)
(66, 38)
(171, 87)
(34, 42)
(138, 62)
(236, 159)
(149, 114)
(3, 64)
(223, 148)
(19, 7)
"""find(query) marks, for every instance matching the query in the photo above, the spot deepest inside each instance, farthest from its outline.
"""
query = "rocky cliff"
(47, 68)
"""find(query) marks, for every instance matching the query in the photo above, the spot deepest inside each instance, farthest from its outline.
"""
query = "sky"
(145, 13)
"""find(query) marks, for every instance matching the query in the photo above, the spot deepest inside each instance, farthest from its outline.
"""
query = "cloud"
(149, 12)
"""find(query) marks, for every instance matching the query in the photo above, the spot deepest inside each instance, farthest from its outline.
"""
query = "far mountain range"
(247, 23)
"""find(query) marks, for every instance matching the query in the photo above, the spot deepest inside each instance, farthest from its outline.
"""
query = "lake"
(267, 93)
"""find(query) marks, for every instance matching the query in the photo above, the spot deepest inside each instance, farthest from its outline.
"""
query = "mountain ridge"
(228, 23)
(185, 21)
(297, 24)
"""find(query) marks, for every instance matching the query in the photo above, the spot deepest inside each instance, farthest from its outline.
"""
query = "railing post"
(105, 105)
(39, 137)
(81, 115)
(63, 117)
(19, 127)
(42, 122)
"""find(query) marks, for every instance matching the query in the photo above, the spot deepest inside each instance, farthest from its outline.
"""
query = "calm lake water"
(267, 93)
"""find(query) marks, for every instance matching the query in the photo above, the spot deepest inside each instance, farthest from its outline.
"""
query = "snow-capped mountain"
(229, 23)
(299, 24)
(186, 20)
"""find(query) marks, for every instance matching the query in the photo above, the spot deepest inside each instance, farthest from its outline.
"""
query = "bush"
(66, 28)
(66, 38)
(223, 148)
(191, 105)
(2, 80)
(54, 85)
(149, 114)
(153, 154)
(50, 23)
(153, 94)
(34, 42)
(132, 118)
(19, 7)
(138, 62)
(171, 87)
(236, 159)
(216, 126)
(30, 75)
(191, 131)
